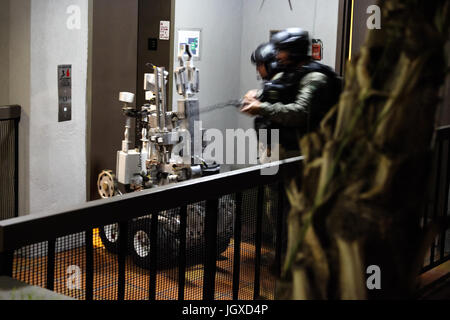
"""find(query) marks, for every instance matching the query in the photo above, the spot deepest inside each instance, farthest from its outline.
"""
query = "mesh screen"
(225, 252)
(249, 205)
(70, 267)
(195, 251)
(30, 263)
(437, 202)
(269, 226)
(106, 269)
(7, 165)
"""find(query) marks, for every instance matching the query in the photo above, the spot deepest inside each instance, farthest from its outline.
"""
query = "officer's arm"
(296, 114)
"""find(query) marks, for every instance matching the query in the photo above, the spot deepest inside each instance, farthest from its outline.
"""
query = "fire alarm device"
(317, 49)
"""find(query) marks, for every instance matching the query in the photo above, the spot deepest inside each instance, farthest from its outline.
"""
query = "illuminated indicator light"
(351, 32)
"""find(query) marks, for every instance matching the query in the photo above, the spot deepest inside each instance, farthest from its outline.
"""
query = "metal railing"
(34, 248)
(9, 157)
(438, 204)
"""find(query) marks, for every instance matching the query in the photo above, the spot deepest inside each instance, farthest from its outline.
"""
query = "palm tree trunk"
(366, 169)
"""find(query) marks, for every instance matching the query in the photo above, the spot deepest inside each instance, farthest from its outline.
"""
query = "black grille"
(7, 172)
(9, 120)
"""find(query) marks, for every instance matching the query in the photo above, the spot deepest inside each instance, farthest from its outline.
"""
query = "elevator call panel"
(65, 93)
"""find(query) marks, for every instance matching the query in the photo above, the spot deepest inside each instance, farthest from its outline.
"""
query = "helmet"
(266, 54)
(296, 41)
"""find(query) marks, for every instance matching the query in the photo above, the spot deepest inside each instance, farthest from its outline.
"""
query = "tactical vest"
(285, 90)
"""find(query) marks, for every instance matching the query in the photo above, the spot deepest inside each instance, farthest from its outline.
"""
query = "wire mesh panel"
(69, 271)
(195, 251)
(87, 264)
(168, 257)
(269, 239)
(30, 264)
(438, 201)
(105, 262)
(224, 244)
(138, 278)
(152, 274)
(222, 248)
(8, 169)
(248, 238)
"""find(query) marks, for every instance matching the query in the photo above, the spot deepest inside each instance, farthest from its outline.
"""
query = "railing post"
(16, 169)
(51, 264)
(446, 194)
(258, 243)
(89, 265)
(209, 277)
(237, 246)
(279, 228)
(436, 196)
(123, 248)
(6, 263)
(153, 255)
(182, 254)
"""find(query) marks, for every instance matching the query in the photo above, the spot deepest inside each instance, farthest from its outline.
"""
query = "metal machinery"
(164, 157)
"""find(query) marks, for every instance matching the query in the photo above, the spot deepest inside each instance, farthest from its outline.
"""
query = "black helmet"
(266, 54)
(293, 40)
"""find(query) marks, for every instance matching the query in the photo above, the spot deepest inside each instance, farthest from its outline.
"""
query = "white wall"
(52, 154)
(231, 30)
(221, 24)
(57, 150)
(4, 52)
(319, 17)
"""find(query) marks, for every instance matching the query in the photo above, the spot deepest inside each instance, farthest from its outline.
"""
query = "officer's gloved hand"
(252, 108)
(251, 95)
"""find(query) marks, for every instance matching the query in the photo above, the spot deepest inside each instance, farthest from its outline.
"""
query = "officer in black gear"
(296, 101)
(265, 59)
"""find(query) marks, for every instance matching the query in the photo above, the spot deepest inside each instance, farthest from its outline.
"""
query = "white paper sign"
(164, 30)
(191, 37)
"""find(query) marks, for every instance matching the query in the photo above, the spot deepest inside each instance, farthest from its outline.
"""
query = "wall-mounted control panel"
(65, 93)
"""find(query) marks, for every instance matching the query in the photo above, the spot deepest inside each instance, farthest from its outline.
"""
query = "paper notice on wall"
(192, 38)
(164, 30)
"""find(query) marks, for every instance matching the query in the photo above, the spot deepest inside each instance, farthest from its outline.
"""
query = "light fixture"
(264, 1)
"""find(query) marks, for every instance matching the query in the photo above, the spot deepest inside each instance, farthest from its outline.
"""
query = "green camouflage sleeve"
(296, 114)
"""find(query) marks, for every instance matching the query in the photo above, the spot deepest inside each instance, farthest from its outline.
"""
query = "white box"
(127, 166)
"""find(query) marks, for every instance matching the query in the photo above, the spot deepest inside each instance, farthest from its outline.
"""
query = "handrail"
(18, 232)
(10, 112)
(443, 133)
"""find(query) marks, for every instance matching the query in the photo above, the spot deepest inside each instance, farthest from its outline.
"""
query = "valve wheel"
(106, 184)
